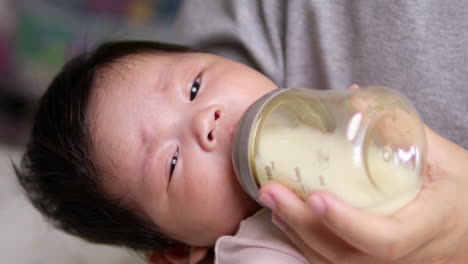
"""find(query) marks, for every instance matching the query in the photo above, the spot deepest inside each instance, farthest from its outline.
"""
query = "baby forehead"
(139, 65)
(163, 58)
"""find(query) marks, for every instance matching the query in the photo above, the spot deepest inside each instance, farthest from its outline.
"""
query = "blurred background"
(36, 38)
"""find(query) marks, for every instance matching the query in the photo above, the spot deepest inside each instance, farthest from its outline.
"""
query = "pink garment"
(258, 240)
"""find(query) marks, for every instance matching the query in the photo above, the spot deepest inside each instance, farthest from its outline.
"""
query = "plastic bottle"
(367, 145)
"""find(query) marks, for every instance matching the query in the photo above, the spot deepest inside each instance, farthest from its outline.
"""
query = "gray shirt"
(418, 47)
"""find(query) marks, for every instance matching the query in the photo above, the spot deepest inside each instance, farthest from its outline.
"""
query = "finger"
(311, 255)
(388, 237)
(297, 215)
(286, 204)
(291, 209)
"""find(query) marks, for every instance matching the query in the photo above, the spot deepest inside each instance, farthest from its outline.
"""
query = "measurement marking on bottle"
(268, 173)
(304, 190)
(323, 159)
(297, 171)
(322, 180)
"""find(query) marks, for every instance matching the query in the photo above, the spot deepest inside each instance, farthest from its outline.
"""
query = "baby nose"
(206, 126)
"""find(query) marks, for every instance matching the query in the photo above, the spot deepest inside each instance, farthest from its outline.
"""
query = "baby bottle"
(366, 146)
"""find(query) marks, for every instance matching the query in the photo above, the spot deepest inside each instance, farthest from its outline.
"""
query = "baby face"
(162, 128)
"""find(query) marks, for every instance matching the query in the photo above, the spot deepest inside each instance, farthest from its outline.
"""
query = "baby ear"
(170, 255)
(156, 257)
(197, 254)
(177, 255)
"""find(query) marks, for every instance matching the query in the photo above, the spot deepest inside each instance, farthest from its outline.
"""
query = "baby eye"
(195, 88)
(173, 163)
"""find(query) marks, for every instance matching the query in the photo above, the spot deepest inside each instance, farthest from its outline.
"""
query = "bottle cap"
(242, 146)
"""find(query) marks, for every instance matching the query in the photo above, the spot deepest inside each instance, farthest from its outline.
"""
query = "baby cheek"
(210, 179)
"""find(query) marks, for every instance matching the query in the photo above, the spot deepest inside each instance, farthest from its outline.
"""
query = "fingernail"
(279, 222)
(318, 204)
(268, 200)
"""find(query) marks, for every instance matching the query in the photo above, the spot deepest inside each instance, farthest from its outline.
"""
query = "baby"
(131, 145)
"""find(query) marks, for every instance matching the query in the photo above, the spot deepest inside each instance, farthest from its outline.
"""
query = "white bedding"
(25, 238)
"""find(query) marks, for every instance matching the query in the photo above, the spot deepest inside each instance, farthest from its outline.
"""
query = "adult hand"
(432, 229)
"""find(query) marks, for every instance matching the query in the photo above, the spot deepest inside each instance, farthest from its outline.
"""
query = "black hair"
(57, 170)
